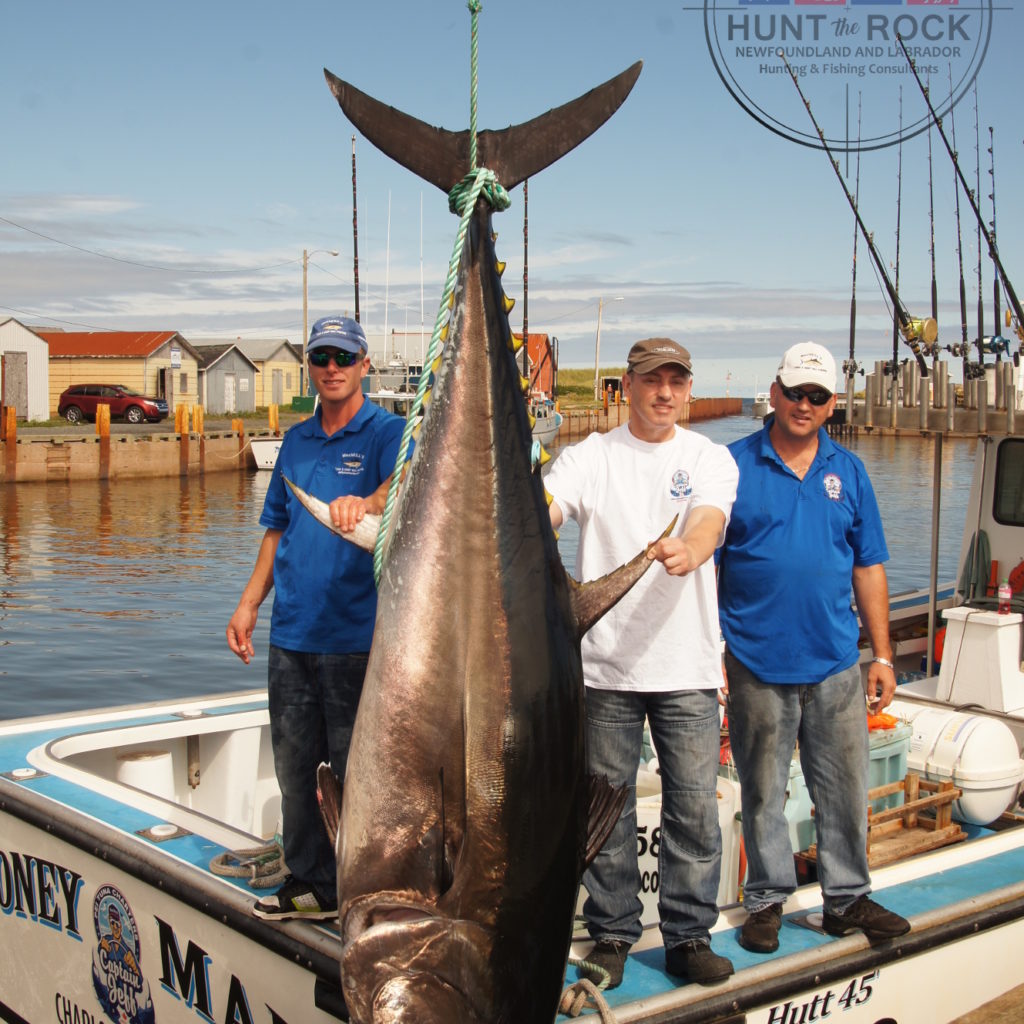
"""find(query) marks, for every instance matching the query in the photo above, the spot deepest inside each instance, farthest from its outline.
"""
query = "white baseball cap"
(808, 363)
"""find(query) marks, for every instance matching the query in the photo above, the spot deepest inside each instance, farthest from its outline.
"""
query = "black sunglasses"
(321, 357)
(796, 395)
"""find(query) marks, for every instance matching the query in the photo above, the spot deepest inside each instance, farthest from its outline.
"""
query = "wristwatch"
(886, 662)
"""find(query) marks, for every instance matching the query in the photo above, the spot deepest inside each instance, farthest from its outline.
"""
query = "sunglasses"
(321, 357)
(796, 395)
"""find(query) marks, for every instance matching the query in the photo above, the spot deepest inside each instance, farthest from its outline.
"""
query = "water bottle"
(1005, 594)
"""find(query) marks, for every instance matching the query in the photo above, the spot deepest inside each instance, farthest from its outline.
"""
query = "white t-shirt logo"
(833, 486)
(680, 485)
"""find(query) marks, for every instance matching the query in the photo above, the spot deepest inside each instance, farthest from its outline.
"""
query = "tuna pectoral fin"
(328, 795)
(591, 600)
(363, 536)
(606, 803)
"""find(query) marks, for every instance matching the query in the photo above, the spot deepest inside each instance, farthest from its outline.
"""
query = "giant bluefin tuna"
(468, 815)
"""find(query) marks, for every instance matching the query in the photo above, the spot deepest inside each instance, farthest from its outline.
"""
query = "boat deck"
(966, 903)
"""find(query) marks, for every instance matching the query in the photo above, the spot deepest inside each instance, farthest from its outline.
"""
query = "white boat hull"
(264, 450)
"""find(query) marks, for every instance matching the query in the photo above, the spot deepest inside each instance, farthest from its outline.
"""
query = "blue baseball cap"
(337, 332)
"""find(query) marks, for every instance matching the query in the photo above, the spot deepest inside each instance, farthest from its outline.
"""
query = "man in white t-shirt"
(655, 655)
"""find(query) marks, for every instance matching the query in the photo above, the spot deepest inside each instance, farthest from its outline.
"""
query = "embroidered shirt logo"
(833, 486)
(680, 487)
(351, 464)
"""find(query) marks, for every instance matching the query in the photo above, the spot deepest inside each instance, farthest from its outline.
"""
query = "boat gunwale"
(225, 902)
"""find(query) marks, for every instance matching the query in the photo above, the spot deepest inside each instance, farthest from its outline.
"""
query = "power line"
(145, 266)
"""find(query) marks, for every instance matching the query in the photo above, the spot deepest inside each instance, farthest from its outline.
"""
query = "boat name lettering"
(48, 893)
(822, 1004)
(188, 978)
(71, 1013)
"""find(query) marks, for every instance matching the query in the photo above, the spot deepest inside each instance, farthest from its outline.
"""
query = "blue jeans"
(312, 702)
(685, 732)
(829, 720)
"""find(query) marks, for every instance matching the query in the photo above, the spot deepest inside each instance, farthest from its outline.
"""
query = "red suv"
(79, 402)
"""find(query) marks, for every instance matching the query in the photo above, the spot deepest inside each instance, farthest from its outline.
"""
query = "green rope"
(474, 10)
(462, 201)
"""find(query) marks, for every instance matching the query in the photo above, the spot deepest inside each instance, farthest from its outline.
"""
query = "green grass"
(576, 387)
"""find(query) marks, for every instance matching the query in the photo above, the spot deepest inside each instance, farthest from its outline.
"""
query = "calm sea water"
(115, 593)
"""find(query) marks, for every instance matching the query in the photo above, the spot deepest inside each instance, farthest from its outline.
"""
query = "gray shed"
(226, 379)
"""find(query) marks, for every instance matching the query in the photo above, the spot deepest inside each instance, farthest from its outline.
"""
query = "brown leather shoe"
(760, 931)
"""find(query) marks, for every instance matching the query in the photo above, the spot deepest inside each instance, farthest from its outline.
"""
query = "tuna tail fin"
(606, 803)
(514, 153)
(591, 600)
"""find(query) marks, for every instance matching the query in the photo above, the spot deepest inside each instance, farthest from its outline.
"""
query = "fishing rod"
(977, 181)
(992, 196)
(850, 366)
(964, 343)
(1011, 295)
(896, 282)
(931, 226)
(914, 331)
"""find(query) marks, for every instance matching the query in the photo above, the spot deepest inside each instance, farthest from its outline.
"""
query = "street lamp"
(305, 302)
(597, 345)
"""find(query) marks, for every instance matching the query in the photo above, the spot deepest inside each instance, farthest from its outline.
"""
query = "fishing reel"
(851, 368)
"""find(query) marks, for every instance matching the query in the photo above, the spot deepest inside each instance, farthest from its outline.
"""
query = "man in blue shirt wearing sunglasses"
(805, 529)
(325, 601)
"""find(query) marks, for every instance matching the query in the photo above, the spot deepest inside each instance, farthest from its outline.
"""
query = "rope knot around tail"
(479, 182)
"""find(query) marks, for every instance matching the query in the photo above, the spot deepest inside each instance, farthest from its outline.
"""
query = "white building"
(25, 362)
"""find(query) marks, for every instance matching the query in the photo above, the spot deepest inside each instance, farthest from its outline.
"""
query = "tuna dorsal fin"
(514, 153)
(605, 805)
(591, 600)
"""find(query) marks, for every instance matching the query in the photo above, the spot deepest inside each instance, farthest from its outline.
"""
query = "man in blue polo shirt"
(325, 601)
(805, 528)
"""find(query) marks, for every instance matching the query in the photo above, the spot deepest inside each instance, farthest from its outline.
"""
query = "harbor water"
(118, 593)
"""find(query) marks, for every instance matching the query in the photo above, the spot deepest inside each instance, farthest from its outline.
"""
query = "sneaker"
(295, 899)
(863, 913)
(760, 931)
(696, 961)
(608, 958)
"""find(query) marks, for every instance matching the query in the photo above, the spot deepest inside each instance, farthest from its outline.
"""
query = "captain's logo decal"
(681, 487)
(833, 486)
(116, 962)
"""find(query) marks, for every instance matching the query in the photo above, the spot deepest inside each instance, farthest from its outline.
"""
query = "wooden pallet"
(903, 831)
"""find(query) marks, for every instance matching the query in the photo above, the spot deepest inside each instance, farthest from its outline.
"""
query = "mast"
(913, 330)
(526, 329)
(355, 230)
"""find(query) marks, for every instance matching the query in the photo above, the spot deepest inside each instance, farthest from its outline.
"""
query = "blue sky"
(198, 146)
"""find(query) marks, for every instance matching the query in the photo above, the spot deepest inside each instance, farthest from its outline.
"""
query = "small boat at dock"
(762, 405)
